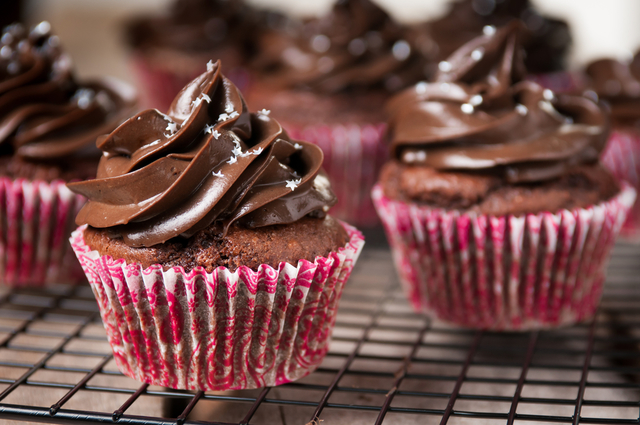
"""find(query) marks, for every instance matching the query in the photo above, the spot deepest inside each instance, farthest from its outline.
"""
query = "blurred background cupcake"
(496, 208)
(618, 83)
(49, 122)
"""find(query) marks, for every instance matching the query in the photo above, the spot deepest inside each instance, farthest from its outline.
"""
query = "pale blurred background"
(91, 30)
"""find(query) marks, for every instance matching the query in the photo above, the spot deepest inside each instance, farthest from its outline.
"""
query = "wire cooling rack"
(386, 365)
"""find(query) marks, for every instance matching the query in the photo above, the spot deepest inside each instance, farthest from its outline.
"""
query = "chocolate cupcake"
(168, 50)
(327, 83)
(618, 83)
(496, 207)
(49, 122)
(208, 246)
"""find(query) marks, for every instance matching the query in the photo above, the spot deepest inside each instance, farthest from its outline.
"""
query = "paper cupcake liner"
(36, 219)
(503, 273)
(219, 330)
(353, 157)
(559, 82)
(622, 157)
(158, 87)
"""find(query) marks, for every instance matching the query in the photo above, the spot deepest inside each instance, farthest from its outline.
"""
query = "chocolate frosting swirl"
(45, 114)
(544, 39)
(207, 160)
(479, 115)
(356, 46)
(618, 83)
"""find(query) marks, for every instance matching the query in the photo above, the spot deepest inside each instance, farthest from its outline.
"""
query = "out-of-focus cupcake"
(545, 40)
(618, 83)
(497, 210)
(49, 122)
(168, 50)
(209, 249)
(327, 83)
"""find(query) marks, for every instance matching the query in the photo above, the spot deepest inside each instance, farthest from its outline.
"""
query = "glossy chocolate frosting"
(45, 114)
(545, 40)
(207, 160)
(196, 26)
(480, 115)
(618, 83)
(356, 46)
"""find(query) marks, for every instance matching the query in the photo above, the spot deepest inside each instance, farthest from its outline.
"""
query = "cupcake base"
(503, 273)
(219, 330)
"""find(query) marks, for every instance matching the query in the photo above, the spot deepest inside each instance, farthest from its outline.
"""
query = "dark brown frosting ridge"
(45, 114)
(207, 160)
(355, 46)
(480, 115)
(618, 83)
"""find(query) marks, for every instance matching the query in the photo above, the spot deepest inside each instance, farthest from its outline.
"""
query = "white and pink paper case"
(503, 273)
(219, 330)
(36, 219)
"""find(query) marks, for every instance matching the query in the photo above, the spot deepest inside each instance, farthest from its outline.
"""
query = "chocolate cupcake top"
(207, 160)
(45, 114)
(545, 40)
(196, 26)
(479, 115)
(618, 83)
(356, 46)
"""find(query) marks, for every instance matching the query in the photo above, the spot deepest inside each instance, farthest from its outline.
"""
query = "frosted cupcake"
(208, 246)
(49, 122)
(497, 210)
(618, 83)
(327, 83)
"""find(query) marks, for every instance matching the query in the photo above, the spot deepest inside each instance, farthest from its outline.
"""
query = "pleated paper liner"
(219, 330)
(36, 219)
(503, 273)
(622, 157)
(353, 157)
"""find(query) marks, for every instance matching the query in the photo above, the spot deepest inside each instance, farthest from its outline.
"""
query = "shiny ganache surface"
(618, 82)
(207, 160)
(45, 113)
(356, 46)
(544, 39)
(480, 115)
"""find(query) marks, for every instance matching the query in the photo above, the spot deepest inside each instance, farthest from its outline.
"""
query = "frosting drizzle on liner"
(480, 115)
(207, 160)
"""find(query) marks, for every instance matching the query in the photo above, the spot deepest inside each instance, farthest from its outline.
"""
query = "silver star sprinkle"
(206, 97)
(172, 127)
(521, 109)
(475, 100)
(292, 184)
(223, 117)
(467, 108)
(444, 66)
(257, 152)
(228, 109)
(237, 150)
(208, 129)
(233, 114)
(547, 94)
(197, 101)
(218, 174)
(232, 160)
(264, 112)
(216, 134)
(210, 66)
(477, 54)
(489, 30)
(298, 146)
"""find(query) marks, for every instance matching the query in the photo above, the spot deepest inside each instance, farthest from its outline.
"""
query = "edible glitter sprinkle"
(477, 54)
(444, 66)
(489, 30)
(292, 184)
(475, 100)
(467, 108)
(521, 109)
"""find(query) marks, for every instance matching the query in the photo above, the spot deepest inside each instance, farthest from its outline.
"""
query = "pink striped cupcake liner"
(353, 157)
(158, 87)
(503, 273)
(218, 330)
(622, 157)
(36, 219)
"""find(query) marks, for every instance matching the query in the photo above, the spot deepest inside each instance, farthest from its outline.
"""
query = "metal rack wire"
(386, 365)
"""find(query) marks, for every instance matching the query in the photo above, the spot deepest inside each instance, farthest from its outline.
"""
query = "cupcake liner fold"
(36, 219)
(218, 330)
(622, 157)
(503, 273)
(353, 157)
